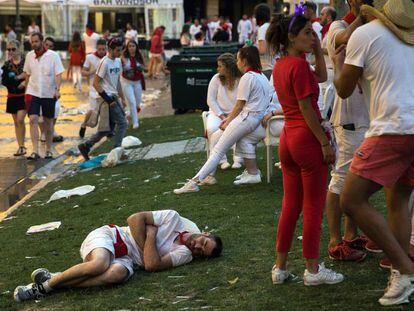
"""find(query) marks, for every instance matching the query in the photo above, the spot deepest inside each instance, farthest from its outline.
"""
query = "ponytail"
(277, 35)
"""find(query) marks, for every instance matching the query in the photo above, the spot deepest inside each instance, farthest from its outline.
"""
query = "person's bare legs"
(334, 218)
(48, 126)
(354, 201)
(251, 166)
(97, 262)
(115, 274)
(34, 132)
(19, 126)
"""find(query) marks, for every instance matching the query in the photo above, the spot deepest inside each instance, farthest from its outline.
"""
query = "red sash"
(121, 249)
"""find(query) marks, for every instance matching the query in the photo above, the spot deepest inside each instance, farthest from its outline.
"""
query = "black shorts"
(14, 104)
(47, 104)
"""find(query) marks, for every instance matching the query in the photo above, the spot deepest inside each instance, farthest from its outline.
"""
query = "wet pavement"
(15, 171)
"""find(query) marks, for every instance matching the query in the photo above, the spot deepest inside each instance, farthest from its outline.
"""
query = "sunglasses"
(11, 49)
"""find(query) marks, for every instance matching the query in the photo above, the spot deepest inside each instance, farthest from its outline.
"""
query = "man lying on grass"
(153, 240)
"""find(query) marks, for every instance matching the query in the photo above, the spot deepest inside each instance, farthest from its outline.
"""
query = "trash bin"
(190, 77)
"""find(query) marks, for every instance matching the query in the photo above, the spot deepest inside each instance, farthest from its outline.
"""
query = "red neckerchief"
(325, 29)
(349, 18)
(316, 19)
(254, 70)
(39, 54)
(181, 236)
(97, 55)
(89, 32)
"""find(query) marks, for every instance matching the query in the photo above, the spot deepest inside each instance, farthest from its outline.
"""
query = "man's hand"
(57, 94)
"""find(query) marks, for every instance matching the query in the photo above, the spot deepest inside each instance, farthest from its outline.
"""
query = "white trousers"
(133, 95)
(77, 76)
(243, 38)
(242, 125)
(246, 147)
(213, 135)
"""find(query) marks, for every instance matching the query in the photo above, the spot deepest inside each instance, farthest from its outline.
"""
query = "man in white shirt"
(310, 13)
(380, 56)
(90, 66)
(195, 28)
(90, 38)
(262, 15)
(350, 120)
(245, 29)
(43, 69)
(213, 25)
(154, 241)
(107, 83)
(131, 34)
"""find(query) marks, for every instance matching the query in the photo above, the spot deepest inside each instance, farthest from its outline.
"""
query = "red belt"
(121, 249)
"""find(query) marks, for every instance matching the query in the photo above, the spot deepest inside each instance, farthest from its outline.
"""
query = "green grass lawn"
(163, 129)
(245, 217)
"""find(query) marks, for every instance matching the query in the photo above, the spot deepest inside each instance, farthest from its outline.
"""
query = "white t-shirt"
(42, 73)
(110, 70)
(255, 89)
(213, 27)
(194, 30)
(244, 28)
(220, 99)
(266, 59)
(317, 27)
(169, 224)
(387, 78)
(90, 42)
(92, 63)
(353, 109)
(132, 35)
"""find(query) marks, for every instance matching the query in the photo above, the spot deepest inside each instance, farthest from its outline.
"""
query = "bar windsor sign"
(128, 3)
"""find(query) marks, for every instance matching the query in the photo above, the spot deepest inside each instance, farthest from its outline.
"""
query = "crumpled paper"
(82, 190)
(44, 227)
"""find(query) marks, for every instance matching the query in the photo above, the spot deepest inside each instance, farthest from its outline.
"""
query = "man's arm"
(346, 76)
(58, 81)
(343, 36)
(152, 260)
(137, 224)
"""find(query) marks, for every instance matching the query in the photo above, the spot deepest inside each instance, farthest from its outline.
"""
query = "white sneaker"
(225, 165)
(399, 290)
(135, 126)
(189, 186)
(324, 276)
(248, 179)
(208, 181)
(241, 175)
(236, 165)
(279, 276)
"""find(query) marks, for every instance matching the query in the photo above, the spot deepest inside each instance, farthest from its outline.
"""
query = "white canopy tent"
(169, 13)
(60, 18)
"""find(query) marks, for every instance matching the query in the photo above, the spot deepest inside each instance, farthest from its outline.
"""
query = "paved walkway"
(15, 181)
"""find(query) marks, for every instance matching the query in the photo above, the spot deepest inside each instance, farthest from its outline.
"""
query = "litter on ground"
(44, 227)
(82, 190)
